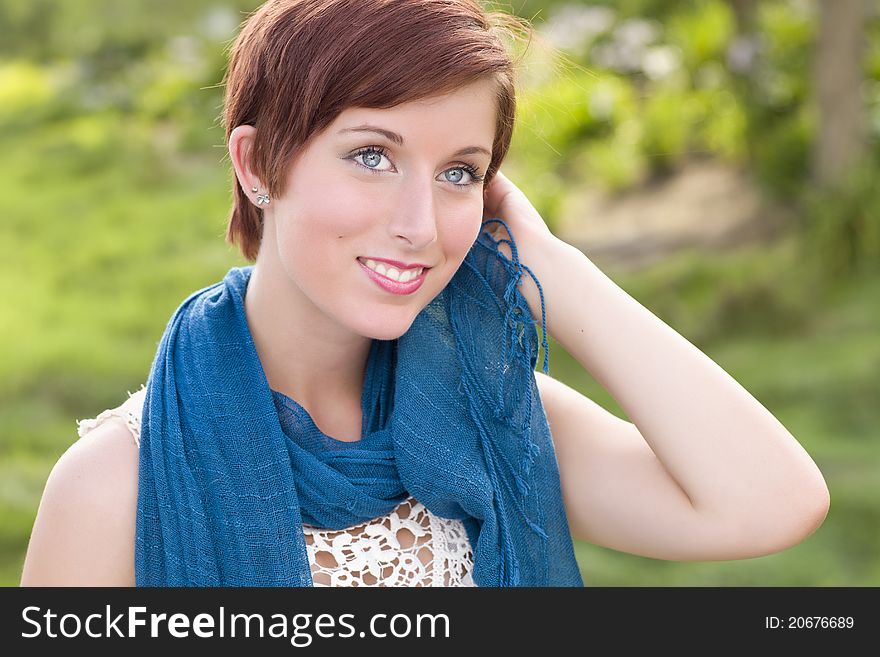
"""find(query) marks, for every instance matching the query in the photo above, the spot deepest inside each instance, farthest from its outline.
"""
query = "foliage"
(689, 83)
(639, 87)
(841, 231)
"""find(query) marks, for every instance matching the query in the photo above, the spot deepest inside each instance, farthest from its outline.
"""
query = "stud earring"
(262, 198)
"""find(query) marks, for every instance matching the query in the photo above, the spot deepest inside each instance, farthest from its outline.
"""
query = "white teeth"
(393, 273)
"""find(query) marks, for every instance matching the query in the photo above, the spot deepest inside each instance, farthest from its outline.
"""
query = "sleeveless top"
(410, 546)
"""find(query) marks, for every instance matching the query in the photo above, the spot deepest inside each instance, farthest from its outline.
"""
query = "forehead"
(468, 111)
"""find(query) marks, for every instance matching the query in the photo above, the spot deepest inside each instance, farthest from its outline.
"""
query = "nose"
(414, 222)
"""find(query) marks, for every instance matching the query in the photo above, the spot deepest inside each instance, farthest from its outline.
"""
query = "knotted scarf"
(452, 416)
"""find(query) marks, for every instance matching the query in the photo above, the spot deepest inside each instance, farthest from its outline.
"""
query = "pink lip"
(390, 285)
(396, 263)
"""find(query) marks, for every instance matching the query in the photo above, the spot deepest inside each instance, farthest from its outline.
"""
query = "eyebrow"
(398, 139)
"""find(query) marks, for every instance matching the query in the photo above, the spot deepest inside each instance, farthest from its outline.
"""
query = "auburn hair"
(297, 64)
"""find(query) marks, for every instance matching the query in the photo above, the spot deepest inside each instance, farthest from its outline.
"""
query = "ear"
(241, 143)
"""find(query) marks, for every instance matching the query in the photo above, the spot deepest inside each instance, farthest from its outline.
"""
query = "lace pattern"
(410, 546)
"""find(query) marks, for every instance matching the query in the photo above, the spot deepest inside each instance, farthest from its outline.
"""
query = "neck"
(305, 354)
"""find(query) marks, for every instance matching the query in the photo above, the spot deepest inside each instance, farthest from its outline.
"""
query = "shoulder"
(83, 534)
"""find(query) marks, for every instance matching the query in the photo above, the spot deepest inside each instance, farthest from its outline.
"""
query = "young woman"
(360, 406)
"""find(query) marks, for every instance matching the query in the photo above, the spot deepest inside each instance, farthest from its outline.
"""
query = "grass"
(102, 238)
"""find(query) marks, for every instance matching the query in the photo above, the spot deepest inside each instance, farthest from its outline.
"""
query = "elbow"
(792, 523)
(797, 509)
(817, 511)
(775, 524)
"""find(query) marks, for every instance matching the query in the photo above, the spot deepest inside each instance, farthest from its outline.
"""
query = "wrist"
(553, 262)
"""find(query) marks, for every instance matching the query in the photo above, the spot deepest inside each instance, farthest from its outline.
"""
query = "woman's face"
(355, 195)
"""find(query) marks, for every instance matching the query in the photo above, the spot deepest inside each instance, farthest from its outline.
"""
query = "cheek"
(313, 237)
(460, 235)
(334, 210)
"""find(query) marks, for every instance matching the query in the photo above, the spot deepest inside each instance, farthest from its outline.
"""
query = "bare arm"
(717, 457)
(83, 534)
(735, 462)
(619, 495)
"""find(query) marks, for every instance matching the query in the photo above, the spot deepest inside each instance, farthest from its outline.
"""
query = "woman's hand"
(504, 200)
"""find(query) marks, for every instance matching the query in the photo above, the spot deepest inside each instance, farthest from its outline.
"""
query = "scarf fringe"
(513, 337)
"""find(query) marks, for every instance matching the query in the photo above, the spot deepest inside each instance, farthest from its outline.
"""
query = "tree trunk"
(838, 80)
(744, 10)
(742, 53)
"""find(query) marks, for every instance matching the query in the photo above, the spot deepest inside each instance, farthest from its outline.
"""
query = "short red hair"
(297, 64)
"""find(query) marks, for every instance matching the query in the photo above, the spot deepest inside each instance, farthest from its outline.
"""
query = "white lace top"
(408, 547)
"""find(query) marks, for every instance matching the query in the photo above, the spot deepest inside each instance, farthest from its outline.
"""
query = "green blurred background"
(717, 158)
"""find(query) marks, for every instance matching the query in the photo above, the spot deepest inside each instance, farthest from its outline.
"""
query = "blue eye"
(376, 153)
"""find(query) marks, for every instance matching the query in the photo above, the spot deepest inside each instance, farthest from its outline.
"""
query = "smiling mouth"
(393, 273)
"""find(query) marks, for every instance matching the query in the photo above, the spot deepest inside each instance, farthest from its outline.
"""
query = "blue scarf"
(452, 417)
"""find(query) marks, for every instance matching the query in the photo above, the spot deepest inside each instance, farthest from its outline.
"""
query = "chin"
(389, 333)
(388, 330)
